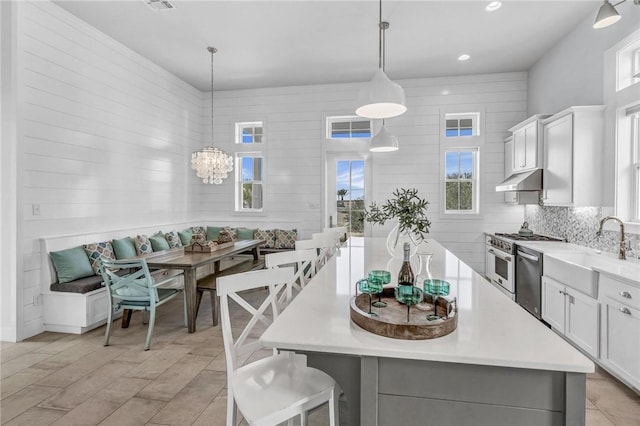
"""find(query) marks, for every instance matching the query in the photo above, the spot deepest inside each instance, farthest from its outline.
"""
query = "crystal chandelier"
(211, 164)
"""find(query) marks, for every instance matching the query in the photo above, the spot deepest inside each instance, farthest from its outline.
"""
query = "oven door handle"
(499, 255)
(528, 256)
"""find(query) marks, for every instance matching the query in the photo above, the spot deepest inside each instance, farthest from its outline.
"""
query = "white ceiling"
(281, 43)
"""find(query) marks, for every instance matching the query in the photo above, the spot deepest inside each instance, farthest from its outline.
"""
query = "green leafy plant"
(407, 207)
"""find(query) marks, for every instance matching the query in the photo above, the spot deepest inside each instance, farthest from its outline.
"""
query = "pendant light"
(211, 164)
(381, 97)
(384, 141)
(608, 15)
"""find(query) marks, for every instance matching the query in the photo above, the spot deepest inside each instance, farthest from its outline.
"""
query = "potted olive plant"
(408, 208)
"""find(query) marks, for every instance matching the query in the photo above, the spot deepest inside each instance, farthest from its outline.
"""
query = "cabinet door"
(620, 340)
(558, 162)
(553, 303)
(519, 150)
(531, 146)
(512, 196)
(582, 321)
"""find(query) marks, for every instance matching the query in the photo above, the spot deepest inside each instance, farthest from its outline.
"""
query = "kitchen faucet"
(622, 254)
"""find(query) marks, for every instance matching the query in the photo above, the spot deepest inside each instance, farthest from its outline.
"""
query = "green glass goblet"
(370, 287)
(435, 288)
(408, 295)
(384, 277)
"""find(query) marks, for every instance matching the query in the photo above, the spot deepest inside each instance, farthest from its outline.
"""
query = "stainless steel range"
(500, 266)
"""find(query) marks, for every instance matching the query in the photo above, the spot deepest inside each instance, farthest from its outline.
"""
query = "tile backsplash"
(578, 226)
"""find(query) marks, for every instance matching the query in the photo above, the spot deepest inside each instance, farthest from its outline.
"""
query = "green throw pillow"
(71, 264)
(213, 232)
(124, 248)
(159, 242)
(245, 234)
(185, 237)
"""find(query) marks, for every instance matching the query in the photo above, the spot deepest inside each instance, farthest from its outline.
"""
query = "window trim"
(238, 184)
(330, 120)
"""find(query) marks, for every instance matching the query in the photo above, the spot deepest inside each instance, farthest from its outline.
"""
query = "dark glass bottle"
(406, 276)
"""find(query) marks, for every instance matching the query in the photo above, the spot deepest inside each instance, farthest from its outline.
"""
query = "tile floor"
(63, 379)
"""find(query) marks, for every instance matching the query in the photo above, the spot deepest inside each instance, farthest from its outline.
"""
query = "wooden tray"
(392, 319)
(200, 248)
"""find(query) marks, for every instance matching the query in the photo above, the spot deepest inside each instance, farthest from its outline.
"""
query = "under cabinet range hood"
(524, 181)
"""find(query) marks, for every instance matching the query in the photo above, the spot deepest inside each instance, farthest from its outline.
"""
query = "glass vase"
(424, 271)
(397, 238)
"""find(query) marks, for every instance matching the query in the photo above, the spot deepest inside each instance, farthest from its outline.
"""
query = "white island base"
(501, 366)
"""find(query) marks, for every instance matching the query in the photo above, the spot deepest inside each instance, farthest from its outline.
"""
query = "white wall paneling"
(106, 140)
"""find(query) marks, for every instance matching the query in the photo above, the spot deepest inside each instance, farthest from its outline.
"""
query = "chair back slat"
(137, 286)
(304, 265)
(229, 287)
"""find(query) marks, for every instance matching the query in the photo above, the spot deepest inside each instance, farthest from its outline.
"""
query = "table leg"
(255, 253)
(190, 295)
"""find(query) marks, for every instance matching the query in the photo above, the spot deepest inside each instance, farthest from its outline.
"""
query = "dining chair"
(137, 290)
(273, 389)
(303, 262)
(325, 244)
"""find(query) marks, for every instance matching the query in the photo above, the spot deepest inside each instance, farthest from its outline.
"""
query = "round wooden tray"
(392, 319)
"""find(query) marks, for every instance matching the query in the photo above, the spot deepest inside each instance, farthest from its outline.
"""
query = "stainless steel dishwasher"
(529, 280)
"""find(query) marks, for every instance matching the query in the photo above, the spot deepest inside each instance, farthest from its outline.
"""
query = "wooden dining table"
(189, 262)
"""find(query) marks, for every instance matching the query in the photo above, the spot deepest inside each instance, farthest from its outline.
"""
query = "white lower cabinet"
(571, 313)
(620, 329)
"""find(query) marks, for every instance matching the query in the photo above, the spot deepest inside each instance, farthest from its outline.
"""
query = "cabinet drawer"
(619, 291)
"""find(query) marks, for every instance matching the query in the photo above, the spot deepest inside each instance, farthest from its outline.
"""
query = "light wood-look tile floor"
(63, 379)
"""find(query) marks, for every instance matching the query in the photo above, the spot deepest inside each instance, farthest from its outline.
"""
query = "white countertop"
(492, 330)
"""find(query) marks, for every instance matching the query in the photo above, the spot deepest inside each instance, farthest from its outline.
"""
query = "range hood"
(525, 181)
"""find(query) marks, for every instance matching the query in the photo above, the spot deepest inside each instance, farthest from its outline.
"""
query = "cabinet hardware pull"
(625, 311)
(572, 300)
(625, 294)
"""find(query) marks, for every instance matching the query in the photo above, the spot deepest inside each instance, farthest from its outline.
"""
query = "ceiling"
(283, 43)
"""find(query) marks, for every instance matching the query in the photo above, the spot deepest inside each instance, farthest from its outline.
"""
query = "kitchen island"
(500, 366)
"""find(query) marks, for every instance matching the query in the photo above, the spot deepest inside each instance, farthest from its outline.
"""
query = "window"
(464, 124)
(249, 133)
(352, 127)
(634, 117)
(461, 180)
(249, 181)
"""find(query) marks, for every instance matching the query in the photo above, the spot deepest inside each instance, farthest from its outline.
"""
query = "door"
(553, 303)
(558, 162)
(346, 193)
(582, 321)
(620, 349)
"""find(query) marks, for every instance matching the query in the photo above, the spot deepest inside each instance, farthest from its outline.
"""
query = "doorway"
(346, 193)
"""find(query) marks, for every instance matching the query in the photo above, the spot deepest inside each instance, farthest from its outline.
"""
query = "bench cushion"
(83, 285)
(71, 264)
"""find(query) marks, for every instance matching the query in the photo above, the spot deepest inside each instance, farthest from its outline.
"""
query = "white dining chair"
(322, 244)
(278, 388)
(303, 262)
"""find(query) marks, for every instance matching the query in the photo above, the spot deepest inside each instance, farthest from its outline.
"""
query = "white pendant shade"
(381, 98)
(607, 15)
(384, 141)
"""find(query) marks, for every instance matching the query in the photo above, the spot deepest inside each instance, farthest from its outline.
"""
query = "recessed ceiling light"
(464, 57)
(494, 5)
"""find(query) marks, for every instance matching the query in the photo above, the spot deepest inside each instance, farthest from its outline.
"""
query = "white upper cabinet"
(573, 152)
(527, 144)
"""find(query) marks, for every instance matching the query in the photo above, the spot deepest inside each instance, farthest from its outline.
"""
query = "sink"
(574, 269)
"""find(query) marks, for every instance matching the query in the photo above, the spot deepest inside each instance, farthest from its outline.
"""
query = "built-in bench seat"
(81, 305)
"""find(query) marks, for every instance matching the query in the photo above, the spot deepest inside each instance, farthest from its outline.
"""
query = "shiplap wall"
(294, 120)
(106, 137)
